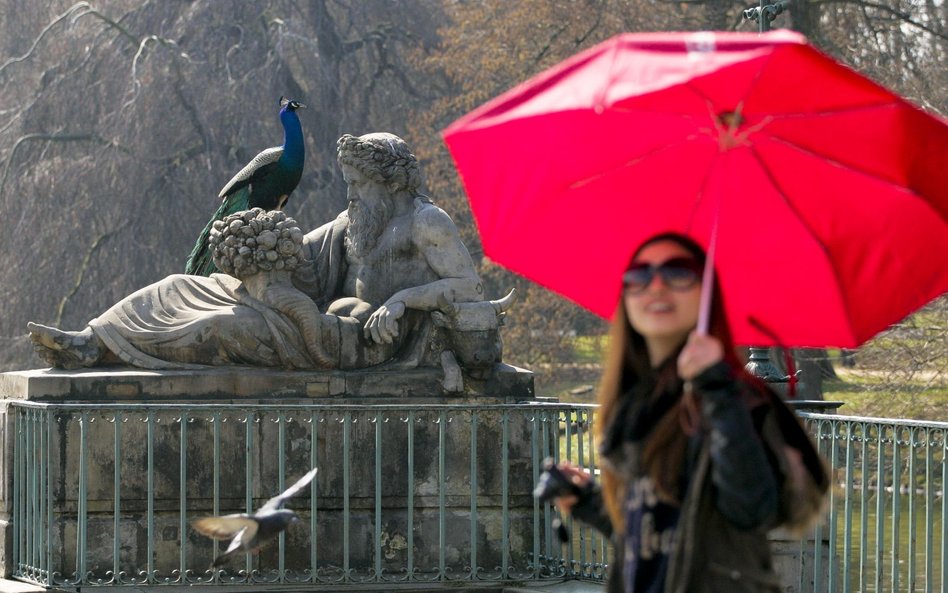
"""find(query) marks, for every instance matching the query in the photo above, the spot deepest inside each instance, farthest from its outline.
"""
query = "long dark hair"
(626, 364)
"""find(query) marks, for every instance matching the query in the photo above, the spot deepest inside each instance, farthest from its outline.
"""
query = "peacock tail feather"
(201, 260)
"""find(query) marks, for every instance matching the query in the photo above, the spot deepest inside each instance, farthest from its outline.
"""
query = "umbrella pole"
(707, 283)
(689, 414)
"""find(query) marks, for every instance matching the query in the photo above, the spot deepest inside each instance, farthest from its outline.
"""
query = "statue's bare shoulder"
(429, 215)
(435, 234)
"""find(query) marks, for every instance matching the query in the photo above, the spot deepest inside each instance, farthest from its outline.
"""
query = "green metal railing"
(103, 495)
(887, 521)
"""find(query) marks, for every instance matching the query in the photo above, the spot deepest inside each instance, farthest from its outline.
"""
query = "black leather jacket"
(739, 488)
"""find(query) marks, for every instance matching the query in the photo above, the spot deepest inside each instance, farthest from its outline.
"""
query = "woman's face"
(663, 314)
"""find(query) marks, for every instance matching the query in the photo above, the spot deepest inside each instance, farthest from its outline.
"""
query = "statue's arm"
(436, 236)
(321, 275)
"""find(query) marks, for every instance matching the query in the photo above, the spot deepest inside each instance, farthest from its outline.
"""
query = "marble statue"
(389, 281)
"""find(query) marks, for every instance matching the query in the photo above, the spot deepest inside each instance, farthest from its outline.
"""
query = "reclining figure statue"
(356, 292)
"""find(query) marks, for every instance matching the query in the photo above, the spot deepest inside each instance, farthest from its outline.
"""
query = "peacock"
(266, 182)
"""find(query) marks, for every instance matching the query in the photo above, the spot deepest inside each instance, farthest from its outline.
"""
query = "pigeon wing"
(266, 157)
(224, 527)
(279, 500)
(243, 537)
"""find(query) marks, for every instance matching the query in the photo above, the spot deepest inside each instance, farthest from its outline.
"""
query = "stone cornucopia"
(262, 249)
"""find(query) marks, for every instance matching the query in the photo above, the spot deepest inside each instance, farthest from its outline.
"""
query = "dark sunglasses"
(678, 273)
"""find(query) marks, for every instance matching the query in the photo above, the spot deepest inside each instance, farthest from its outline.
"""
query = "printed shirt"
(650, 535)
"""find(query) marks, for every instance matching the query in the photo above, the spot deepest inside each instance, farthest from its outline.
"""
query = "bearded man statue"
(371, 275)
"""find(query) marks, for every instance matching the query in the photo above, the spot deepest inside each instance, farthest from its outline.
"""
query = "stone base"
(503, 383)
(348, 440)
(796, 563)
(10, 586)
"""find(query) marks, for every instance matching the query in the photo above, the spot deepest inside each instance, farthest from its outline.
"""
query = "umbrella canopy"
(829, 192)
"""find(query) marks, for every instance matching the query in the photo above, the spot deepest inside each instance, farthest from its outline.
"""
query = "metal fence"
(887, 518)
(103, 495)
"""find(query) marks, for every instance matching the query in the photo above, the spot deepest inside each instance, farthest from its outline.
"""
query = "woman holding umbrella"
(805, 165)
(700, 460)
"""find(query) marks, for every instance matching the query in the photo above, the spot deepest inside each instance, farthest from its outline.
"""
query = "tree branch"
(93, 137)
(905, 17)
(72, 9)
(79, 274)
(112, 23)
(549, 44)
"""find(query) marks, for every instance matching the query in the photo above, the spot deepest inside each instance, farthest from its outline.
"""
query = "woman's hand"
(699, 353)
(577, 476)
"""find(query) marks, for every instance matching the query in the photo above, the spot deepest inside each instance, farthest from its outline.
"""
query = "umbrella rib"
(833, 161)
(611, 77)
(757, 76)
(631, 162)
(834, 112)
(740, 105)
(701, 193)
(698, 92)
(786, 199)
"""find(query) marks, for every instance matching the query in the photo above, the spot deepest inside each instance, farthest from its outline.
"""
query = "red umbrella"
(829, 192)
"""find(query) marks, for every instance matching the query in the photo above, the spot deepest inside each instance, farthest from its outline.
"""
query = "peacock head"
(290, 104)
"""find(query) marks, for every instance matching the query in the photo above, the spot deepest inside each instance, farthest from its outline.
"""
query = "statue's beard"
(365, 226)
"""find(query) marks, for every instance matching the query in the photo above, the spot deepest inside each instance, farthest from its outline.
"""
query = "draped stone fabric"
(181, 321)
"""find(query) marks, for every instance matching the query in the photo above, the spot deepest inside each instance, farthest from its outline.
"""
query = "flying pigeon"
(250, 532)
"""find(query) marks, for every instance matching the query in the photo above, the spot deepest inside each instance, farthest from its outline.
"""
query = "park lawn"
(589, 349)
(863, 392)
(931, 404)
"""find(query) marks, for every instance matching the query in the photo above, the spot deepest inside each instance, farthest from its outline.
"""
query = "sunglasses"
(678, 273)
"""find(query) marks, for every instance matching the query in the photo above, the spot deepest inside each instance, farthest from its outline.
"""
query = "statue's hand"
(382, 326)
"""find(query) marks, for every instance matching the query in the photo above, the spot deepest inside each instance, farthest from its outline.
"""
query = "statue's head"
(382, 157)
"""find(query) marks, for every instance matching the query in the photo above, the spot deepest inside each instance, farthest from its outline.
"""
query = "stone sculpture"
(388, 282)
(471, 337)
(262, 249)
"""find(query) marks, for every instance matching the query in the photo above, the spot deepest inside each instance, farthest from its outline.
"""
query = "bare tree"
(120, 120)
(491, 46)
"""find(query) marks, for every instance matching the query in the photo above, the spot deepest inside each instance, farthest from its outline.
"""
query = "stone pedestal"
(112, 464)
(504, 383)
(814, 406)
(797, 561)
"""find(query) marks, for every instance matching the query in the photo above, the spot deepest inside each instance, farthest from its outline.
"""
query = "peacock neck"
(293, 146)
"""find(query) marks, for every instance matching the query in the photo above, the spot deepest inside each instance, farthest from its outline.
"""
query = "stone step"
(570, 586)
(11, 586)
